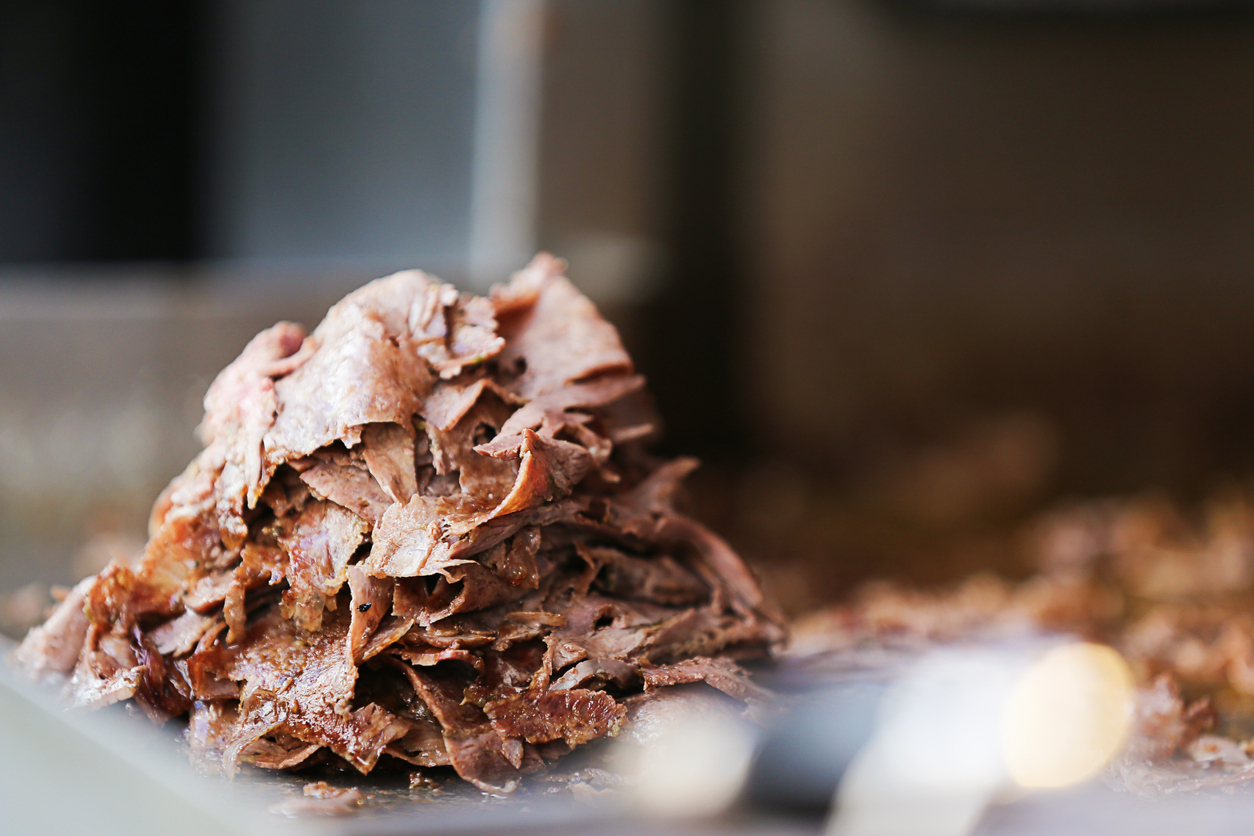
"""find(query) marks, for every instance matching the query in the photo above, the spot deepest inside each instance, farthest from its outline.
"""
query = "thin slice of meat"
(366, 369)
(121, 595)
(209, 725)
(655, 494)
(389, 632)
(747, 595)
(481, 758)
(273, 353)
(410, 539)
(422, 745)
(575, 715)
(208, 592)
(723, 674)
(268, 755)
(239, 409)
(453, 330)
(449, 402)
(429, 656)
(388, 450)
(336, 478)
(54, 646)
(660, 580)
(549, 470)
(514, 561)
(560, 338)
(598, 672)
(259, 565)
(302, 684)
(179, 636)
(701, 631)
(107, 671)
(474, 749)
(98, 681)
(369, 603)
(486, 478)
(582, 396)
(319, 545)
(523, 288)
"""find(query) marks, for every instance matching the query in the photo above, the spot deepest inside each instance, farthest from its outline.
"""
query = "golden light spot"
(1067, 716)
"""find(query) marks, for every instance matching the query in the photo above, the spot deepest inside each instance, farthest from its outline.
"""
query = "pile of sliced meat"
(426, 533)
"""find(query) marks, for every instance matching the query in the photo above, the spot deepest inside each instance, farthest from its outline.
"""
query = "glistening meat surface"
(427, 534)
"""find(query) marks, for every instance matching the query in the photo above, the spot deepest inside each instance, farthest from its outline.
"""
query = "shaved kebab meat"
(425, 534)
(1171, 590)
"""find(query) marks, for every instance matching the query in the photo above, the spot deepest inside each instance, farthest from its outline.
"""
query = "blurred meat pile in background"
(923, 282)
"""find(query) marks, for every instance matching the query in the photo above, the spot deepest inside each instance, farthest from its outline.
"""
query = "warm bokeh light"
(1067, 715)
(693, 764)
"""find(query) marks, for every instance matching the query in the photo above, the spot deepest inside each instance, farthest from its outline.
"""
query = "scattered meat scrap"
(1172, 592)
(426, 534)
(321, 799)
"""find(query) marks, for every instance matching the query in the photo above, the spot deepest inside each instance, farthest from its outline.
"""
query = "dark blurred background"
(902, 272)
